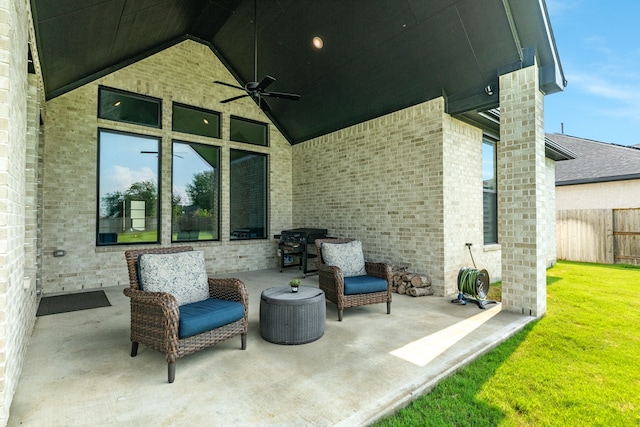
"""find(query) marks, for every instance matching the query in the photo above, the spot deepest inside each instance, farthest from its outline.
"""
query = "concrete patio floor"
(79, 371)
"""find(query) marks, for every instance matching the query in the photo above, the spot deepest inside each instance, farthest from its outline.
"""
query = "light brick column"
(521, 197)
(17, 297)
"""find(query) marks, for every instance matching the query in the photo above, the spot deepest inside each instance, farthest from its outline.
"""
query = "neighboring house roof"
(556, 151)
(595, 161)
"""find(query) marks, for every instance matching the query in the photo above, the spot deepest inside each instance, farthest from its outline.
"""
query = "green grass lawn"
(137, 236)
(151, 236)
(579, 365)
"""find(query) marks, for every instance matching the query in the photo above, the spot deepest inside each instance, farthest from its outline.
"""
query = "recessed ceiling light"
(317, 42)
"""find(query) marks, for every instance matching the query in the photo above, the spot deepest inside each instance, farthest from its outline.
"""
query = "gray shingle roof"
(595, 161)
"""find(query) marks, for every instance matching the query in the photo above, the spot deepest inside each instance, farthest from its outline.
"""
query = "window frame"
(494, 238)
(266, 195)
(197, 109)
(218, 219)
(105, 241)
(233, 118)
(158, 101)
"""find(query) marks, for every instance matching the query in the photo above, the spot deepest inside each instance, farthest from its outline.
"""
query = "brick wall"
(463, 205)
(550, 211)
(409, 185)
(18, 142)
(183, 73)
(522, 202)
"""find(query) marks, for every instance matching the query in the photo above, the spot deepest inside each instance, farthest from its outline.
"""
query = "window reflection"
(196, 121)
(248, 195)
(127, 188)
(490, 196)
(129, 107)
(249, 131)
(196, 195)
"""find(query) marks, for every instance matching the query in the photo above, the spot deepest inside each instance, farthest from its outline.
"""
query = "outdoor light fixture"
(117, 104)
(205, 121)
(489, 90)
(317, 42)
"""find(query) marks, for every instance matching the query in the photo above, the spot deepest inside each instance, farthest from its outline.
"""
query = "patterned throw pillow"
(181, 274)
(347, 256)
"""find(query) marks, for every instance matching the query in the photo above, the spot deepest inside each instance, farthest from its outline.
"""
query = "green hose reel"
(473, 282)
(473, 285)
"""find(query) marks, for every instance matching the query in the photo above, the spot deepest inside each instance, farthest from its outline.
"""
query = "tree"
(142, 191)
(201, 190)
(112, 203)
(176, 205)
(147, 192)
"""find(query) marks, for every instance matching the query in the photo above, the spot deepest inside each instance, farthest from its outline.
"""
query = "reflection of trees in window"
(128, 192)
(196, 194)
(114, 203)
(201, 191)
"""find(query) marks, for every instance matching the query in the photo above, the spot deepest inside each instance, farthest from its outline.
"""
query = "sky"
(122, 163)
(598, 43)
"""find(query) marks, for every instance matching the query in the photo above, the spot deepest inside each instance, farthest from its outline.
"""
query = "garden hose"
(471, 282)
(474, 283)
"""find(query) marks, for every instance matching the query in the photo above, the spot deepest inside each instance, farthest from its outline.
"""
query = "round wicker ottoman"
(292, 317)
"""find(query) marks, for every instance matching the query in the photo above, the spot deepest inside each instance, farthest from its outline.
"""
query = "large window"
(490, 192)
(121, 106)
(249, 131)
(248, 195)
(196, 192)
(128, 170)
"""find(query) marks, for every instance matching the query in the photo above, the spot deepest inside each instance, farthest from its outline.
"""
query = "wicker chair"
(155, 315)
(332, 282)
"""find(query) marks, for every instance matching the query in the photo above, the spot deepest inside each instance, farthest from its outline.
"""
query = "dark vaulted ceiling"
(379, 56)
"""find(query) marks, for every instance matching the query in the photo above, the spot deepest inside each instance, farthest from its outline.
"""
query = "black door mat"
(72, 302)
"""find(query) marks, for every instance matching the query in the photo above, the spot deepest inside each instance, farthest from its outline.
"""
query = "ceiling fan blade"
(228, 84)
(282, 95)
(234, 98)
(266, 81)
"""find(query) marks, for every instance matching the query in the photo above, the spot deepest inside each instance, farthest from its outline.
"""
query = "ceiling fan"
(257, 90)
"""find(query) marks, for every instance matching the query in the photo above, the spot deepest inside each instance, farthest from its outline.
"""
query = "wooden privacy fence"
(607, 236)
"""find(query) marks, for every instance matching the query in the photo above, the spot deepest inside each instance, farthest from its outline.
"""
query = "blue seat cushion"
(206, 315)
(363, 285)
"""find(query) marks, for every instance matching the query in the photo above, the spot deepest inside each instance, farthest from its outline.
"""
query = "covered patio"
(420, 130)
(363, 368)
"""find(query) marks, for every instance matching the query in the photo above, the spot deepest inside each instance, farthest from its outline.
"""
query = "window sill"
(491, 247)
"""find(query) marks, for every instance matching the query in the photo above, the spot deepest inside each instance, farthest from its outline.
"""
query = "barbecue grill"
(295, 244)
